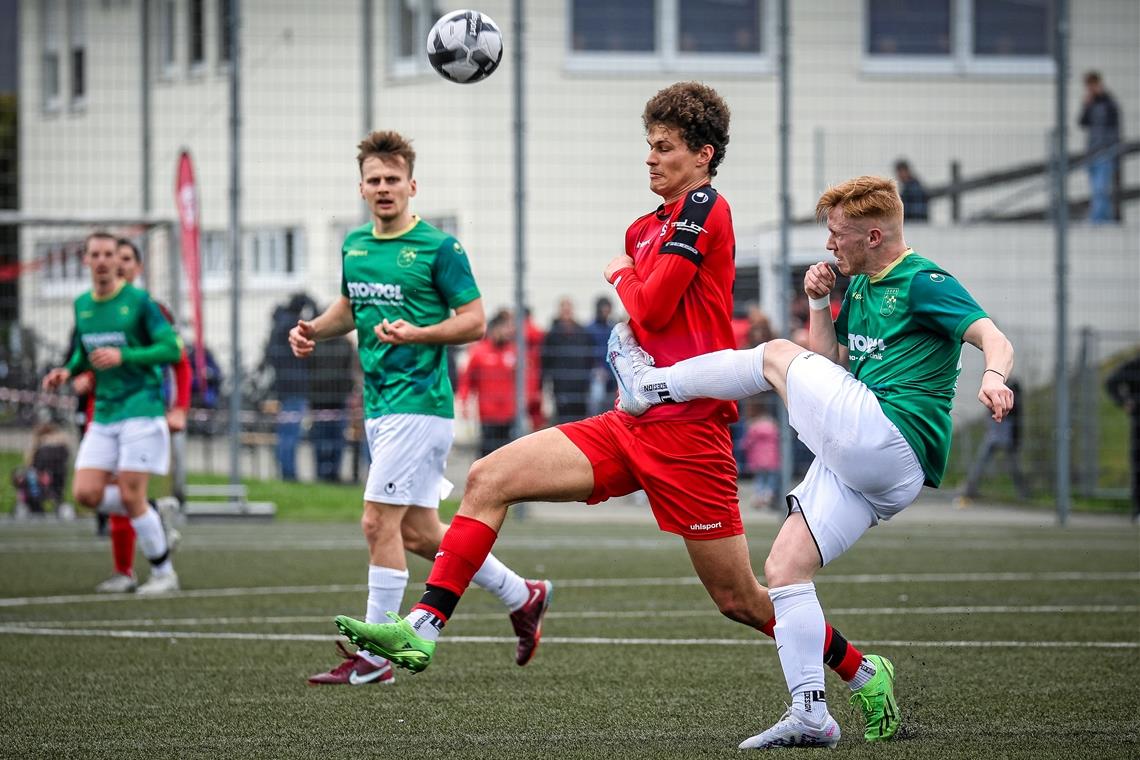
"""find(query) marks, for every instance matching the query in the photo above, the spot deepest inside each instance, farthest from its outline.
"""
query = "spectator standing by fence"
(913, 194)
(290, 380)
(1100, 116)
(329, 389)
(1123, 385)
(602, 383)
(490, 375)
(567, 362)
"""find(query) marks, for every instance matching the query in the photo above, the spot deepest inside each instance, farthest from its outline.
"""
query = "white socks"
(152, 540)
(112, 503)
(507, 585)
(863, 675)
(800, 633)
(385, 593)
(728, 375)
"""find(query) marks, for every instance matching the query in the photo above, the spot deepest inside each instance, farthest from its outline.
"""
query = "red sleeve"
(466, 377)
(183, 377)
(651, 302)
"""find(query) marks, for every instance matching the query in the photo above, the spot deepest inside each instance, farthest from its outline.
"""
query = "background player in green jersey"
(879, 430)
(125, 339)
(408, 291)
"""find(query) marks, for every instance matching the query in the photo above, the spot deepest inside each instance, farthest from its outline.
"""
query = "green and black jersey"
(903, 329)
(419, 275)
(129, 320)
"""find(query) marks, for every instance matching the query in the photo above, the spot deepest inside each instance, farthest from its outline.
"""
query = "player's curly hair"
(866, 196)
(386, 144)
(695, 109)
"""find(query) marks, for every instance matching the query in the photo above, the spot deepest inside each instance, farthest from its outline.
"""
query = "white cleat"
(117, 584)
(166, 583)
(169, 511)
(630, 363)
(790, 731)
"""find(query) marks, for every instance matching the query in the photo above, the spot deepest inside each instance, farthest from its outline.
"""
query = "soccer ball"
(465, 46)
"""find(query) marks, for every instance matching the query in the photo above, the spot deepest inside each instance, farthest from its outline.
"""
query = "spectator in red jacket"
(490, 375)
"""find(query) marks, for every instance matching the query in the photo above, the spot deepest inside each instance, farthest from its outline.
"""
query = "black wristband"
(995, 372)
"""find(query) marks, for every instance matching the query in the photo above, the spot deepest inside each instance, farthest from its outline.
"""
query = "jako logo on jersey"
(687, 226)
(865, 345)
(704, 526)
(699, 197)
(92, 341)
(375, 290)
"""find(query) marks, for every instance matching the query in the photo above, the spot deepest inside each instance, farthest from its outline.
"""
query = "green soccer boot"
(396, 641)
(881, 716)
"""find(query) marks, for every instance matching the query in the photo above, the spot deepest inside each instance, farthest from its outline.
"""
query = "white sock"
(507, 585)
(863, 675)
(728, 375)
(385, 593)
(152, 540)
(427, 625)
(800, 633)
(112, 503)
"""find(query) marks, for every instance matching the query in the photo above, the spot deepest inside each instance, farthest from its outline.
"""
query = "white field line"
(588, 640)
(964, 542)
(1099, 609)
(900, 578)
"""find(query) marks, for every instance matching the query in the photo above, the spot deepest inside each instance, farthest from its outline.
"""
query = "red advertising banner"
(186, 198)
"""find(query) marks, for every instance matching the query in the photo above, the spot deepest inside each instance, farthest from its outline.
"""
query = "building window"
(959, 36)
(77, 49)
(61, 262)
(215, 254)
(409, 22)
(196, 33)
(167, 38)
(225, 39)
(669, 35)
(274, 251)
(51, 44)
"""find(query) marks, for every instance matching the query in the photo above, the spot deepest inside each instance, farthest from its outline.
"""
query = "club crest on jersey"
(406, 257)
(890, 298)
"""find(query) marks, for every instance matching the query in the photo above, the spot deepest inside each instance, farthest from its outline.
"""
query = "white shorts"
(409, 453)
(138, 444)
(864, 470)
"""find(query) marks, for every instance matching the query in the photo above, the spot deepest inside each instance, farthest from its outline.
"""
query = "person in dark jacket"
(1123, 386)
(568, 362)
(1100, 116)
(290, 380)
(330, 387)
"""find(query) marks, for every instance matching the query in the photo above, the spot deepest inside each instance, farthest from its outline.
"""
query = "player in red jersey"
(675, 281)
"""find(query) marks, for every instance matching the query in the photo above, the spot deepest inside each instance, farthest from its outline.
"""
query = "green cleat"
(877, 699)
(396, 641)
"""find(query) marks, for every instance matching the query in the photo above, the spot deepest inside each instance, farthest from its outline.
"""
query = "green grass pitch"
(1009, 642)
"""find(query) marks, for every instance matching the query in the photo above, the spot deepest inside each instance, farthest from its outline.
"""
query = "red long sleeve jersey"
(679, 292)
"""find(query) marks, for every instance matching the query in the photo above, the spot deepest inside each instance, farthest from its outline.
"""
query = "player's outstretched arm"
(998, 353)
(56, 378)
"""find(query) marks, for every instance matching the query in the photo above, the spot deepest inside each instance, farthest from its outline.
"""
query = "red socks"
(462, 552)
(122, 543)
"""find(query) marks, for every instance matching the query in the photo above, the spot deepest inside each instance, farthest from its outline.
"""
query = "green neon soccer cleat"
(396, 641)
(877, 699)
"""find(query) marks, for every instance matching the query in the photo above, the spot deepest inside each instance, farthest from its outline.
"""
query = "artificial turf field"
(1008, 640)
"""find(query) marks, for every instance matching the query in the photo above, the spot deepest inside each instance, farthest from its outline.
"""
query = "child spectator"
(762, 456)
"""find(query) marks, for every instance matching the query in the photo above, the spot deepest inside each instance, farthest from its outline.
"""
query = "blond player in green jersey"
(123, 336)
(408, 291)
(871, 399)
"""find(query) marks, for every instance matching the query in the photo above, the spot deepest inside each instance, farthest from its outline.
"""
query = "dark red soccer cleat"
(527, 620)
(354, 671)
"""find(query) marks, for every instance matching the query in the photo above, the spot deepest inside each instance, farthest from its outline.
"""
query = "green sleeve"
(940, 303)
(165, 346)
(452, 274)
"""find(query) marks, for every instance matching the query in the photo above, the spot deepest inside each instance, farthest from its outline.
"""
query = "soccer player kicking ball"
(879, 430)
(675, 280)
(401, 279)
(125, 339)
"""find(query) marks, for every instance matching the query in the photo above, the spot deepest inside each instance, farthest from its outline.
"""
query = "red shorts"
(686, 468)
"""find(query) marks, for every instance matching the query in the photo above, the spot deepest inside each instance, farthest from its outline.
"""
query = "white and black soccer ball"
(465, 46)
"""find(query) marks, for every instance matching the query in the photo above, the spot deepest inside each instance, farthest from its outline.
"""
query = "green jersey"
(903, 329)
(130, 321)
(419, 275)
